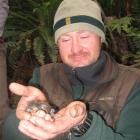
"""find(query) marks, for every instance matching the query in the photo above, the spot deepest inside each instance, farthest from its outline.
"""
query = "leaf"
(38, 47)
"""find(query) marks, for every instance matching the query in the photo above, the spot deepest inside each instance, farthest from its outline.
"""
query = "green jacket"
(127, 124)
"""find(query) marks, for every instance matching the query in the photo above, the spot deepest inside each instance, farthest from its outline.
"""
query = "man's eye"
(65, 40)
(84, 37)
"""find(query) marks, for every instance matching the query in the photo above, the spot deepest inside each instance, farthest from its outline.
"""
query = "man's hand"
(28, 94)
(41, 126)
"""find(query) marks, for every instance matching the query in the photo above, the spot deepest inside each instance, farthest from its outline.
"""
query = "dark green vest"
(107, 99)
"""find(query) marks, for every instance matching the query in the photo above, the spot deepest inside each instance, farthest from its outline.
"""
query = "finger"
(73, 112)
(40, 113)
(27, 91)
(47, 125)
(49, 118)
(21, 112)
(34, 130)
(77, 110)
(19, 89)
(24, 131)
(60, 113)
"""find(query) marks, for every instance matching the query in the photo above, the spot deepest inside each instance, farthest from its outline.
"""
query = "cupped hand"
(42, 126)
(28, 94)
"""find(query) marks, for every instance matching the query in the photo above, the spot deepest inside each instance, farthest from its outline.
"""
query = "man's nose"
(76, 47)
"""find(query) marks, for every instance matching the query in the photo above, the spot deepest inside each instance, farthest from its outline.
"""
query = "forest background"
(29, 39)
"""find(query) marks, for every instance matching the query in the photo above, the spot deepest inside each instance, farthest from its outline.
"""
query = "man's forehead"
(77, 32)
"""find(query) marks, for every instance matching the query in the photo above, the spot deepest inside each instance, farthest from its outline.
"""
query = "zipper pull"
(69, 135)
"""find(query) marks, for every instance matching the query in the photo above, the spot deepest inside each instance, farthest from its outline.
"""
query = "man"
(97, 97)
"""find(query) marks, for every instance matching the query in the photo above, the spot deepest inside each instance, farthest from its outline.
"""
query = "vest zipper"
(81, 82)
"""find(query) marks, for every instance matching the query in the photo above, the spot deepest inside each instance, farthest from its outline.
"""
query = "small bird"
(35, 106)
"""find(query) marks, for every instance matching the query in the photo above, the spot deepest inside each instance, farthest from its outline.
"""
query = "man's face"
(78, 49)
